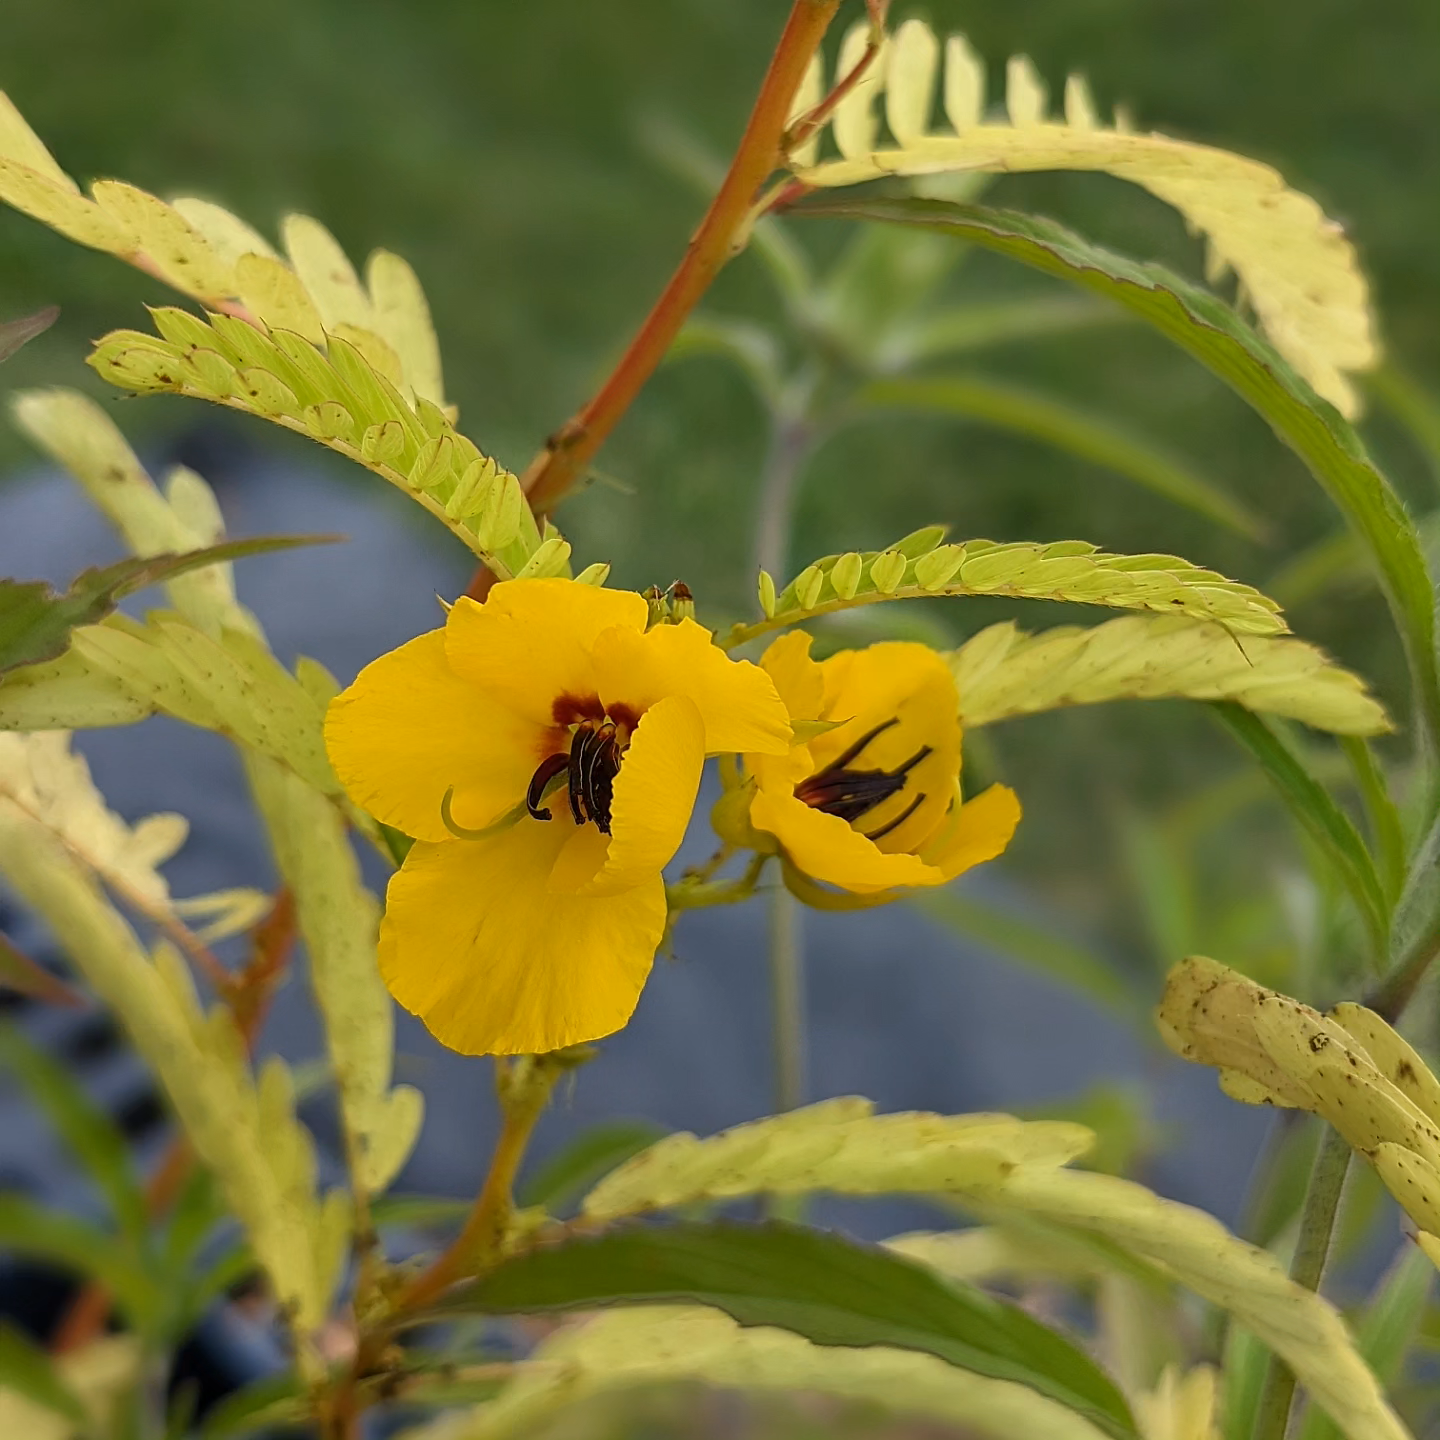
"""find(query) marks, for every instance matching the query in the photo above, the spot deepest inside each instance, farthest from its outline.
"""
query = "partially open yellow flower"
(872, 802)
(550, 719)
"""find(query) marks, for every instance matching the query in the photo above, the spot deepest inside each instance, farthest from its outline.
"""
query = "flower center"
(597, 743)
(839, 790)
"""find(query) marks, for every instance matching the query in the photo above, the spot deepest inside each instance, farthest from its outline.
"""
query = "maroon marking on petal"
(572, 709)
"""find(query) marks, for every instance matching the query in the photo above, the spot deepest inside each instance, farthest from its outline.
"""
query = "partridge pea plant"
(528, 769)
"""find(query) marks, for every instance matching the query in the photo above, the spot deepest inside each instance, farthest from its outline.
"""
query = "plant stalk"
(524, 1087)
(787, 999)
(569, 451)
(1312, 1249)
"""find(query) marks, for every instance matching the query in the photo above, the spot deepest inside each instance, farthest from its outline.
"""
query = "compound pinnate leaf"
(333, 386)
(829, 1290)
(1003, 671)
(1023, 1176)
(839, 1145)
(338, 919)
(1215, 335)
(1286, 1052)
(1066, 570)
(653, 1344)
(36, 623)
(1296, 266)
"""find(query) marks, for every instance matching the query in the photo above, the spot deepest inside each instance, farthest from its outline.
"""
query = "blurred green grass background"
(509, 151)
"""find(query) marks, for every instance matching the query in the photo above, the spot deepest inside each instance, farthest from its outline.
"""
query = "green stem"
(787, 999)
(1312, 1248)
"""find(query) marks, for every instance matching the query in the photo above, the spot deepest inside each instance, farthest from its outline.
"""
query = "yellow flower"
(552, 720)
(872, 801)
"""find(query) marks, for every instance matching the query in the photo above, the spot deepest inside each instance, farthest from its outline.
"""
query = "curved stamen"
(549, 768)
(899, 820)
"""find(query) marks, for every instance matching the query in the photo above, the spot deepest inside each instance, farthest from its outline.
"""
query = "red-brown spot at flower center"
(839, 790)
(594, 744)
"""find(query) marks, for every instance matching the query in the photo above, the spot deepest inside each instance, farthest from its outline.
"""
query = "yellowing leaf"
(213, 669)
(74, 431)
(18, 142)
(1181, 1407)
(62, 208)
(66, 694)
(1003, 671)
(326, 273)
(249, 1137)
(229, 236)
(651, 1344)
(98, 1375)
(402, 319)
(41, 776)
(1008, 1169)
(1285, 1050)
(1295, 266)
(338, 919)
(177, 251)
(839, 1145)
(271, 290)
(230, 683)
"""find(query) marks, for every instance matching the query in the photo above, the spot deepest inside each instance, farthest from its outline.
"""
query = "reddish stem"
(569, 451)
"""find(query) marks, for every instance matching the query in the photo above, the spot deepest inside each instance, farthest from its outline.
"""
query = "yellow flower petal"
(975, 832)
(409, 728)
(654, 796)
(799, 679)
(736, 699)
(530, 642)
(826, 848)
(494, 963)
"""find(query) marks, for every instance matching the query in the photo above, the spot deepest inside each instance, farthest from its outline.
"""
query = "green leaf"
(1387, 1327)
(1210, 330)
(1099, 439)
(26, 1368)
(88, 1132)
(35, 622)
(1314, 809)
(18, 972)
(80, 1247)
(1065, 570)
(1011, 1169)
(1030, 944)
(1003, 671)
(591, 1155)
(15, 333)
(340, 396)
(815, 1284)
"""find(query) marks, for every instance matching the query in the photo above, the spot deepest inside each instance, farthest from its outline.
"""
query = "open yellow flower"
(565, 741)
(872, 803)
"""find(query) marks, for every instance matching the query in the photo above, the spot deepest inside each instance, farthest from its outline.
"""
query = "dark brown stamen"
(899, 820)
(838, 790)
(540, 780)
(590, 766)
